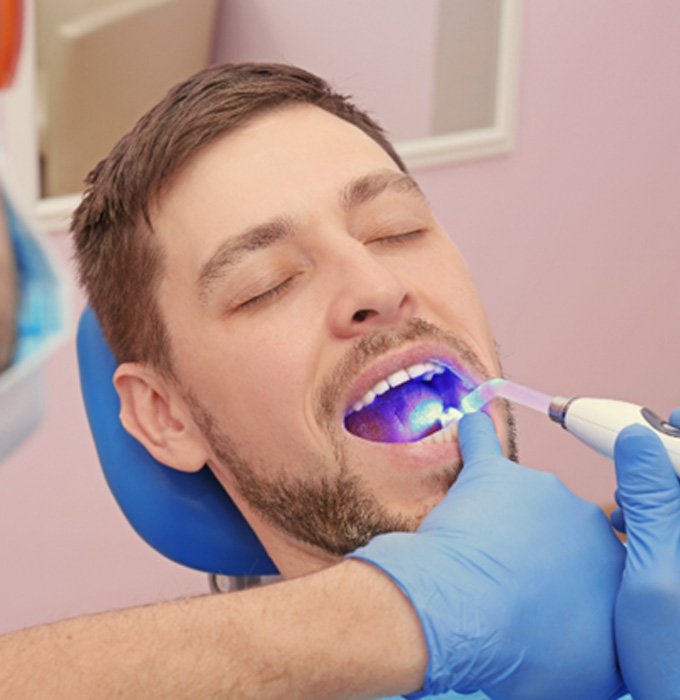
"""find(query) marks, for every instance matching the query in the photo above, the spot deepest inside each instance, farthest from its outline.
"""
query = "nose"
(368, 295)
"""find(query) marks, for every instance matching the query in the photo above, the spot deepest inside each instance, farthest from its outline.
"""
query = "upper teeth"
(399, 377)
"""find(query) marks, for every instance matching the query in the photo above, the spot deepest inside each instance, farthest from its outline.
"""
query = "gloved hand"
(647, 618)
(514, 580)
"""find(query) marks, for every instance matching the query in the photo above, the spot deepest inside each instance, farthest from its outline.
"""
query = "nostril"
(361, 315)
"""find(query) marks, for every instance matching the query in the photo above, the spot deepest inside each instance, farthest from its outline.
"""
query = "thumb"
(477, 438)
(675, 418)
(649, 490)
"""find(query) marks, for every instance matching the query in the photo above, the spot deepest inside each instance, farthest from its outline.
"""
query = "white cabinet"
(88, 70)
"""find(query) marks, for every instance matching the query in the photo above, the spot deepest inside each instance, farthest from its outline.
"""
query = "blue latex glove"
(647, 619)
(514, 579)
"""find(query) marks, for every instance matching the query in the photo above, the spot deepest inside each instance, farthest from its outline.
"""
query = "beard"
(337, 511)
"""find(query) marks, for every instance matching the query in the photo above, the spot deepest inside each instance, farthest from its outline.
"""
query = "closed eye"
(268, 295)
(398, 238)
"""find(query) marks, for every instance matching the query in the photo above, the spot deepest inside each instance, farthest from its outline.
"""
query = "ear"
(154, 413)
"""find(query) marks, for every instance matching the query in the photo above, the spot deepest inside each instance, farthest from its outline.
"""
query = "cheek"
(253, 378)
(245, 374)
(451, 292)
(444, 279)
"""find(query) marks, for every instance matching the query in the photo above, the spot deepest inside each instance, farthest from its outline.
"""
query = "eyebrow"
(369, 186)
(262, 236)
(231, 252)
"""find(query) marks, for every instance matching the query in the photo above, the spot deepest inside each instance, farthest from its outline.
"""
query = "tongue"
(404, 414)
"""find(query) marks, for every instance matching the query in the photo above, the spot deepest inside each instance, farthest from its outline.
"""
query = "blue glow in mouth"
(409, 412)
(424, 415)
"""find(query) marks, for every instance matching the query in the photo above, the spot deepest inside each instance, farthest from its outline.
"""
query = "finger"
(646, 479)
(477, 438)
(618, 521)
(675, 418)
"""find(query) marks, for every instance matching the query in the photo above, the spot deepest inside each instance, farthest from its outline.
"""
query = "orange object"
(10, 39)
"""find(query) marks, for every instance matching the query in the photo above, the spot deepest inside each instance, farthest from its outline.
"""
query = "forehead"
(282, 162)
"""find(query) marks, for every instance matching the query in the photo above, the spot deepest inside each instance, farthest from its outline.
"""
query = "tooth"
(398, 378)
(381, 387)
(447, 434)
(415, 371)
(426, 370)
(366, 400)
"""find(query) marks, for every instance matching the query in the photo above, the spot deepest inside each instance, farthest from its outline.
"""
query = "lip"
(409, 456)
(399, 359)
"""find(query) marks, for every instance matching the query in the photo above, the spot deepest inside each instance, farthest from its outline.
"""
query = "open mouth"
(409, 405)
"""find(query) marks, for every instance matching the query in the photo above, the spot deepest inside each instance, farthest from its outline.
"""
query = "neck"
(292, 557)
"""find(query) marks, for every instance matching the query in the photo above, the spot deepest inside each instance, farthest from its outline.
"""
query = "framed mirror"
(440, 75)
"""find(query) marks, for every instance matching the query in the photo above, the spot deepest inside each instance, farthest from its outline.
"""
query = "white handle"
(597, 422)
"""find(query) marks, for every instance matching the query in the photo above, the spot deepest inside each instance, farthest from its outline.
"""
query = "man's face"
(302, 271)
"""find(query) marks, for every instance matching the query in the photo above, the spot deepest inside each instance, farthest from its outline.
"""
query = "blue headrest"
(187, 517)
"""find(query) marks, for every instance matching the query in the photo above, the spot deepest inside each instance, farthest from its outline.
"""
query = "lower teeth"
(447, 434)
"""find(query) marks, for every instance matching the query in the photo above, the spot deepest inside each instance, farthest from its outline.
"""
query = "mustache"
(373, 345)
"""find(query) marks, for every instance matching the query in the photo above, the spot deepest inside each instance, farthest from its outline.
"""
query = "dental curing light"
(596, 422)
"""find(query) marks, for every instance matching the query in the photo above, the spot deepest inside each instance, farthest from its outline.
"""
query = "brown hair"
(119, 262)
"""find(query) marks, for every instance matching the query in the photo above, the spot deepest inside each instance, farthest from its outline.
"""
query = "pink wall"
(574, 242)
(575, 238)
(380, 51)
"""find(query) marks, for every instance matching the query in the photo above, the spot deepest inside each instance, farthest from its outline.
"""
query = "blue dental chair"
(187, 517)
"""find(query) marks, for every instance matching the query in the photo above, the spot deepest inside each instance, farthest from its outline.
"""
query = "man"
(285, 308)
(281, 271)
(281, 299)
